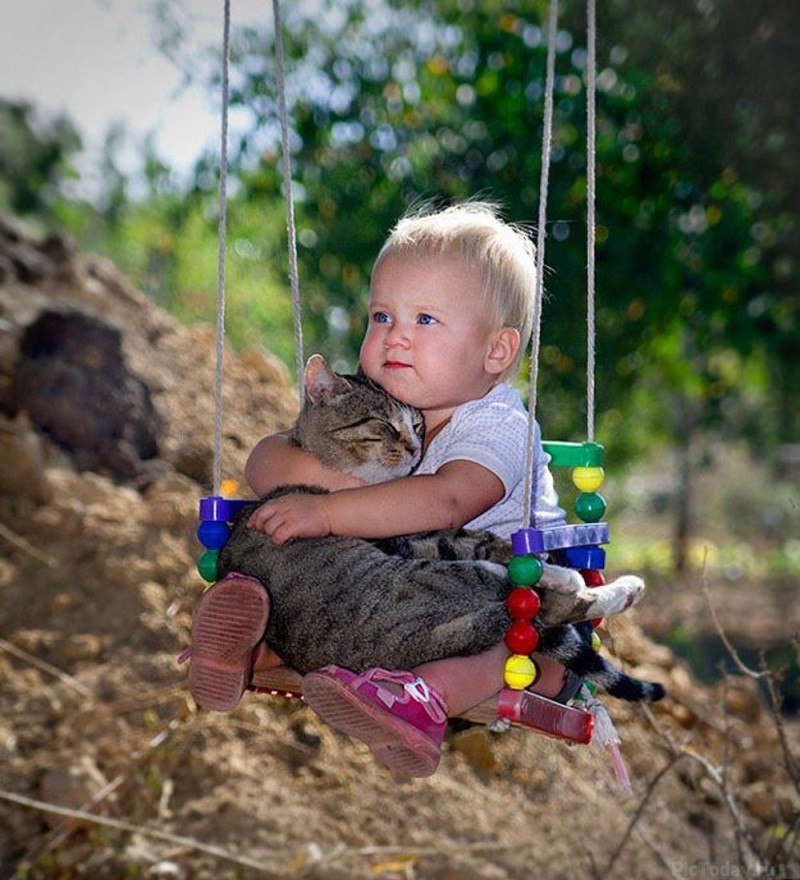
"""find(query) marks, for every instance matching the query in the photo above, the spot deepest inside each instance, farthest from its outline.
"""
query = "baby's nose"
(396, 335)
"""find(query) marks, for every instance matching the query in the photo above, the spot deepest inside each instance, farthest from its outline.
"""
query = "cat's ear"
(321, 383)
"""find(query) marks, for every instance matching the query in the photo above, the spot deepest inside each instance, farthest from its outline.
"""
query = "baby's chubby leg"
(464, 682)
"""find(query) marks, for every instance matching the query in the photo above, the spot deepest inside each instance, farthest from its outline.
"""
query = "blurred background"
(109, 131)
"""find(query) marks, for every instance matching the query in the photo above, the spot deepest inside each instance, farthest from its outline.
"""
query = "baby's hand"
(292, 516)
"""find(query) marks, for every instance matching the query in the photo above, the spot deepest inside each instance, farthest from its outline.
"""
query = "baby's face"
(429, 333)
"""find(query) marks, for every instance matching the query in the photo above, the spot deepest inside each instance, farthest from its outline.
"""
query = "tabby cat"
(399, 602)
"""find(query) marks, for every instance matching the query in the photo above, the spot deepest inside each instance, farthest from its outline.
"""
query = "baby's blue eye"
(426, 319)
(380, 318)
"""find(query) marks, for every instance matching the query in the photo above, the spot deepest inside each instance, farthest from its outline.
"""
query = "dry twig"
(43, 666)
(129, 827)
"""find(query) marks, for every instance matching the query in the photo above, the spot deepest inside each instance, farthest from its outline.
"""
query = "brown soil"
(98, 582)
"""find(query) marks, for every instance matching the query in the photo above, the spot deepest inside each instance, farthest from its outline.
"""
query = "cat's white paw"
(562, 580)
(632, 586)
(620, 594)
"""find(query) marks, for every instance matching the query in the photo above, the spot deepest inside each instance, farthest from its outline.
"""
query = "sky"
(95, 59)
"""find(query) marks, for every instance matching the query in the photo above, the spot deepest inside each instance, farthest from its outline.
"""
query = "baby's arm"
(458, 492)
(276, 461)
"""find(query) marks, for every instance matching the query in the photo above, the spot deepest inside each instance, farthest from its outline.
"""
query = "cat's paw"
(632, 587)
(618, 595)
(563, 580)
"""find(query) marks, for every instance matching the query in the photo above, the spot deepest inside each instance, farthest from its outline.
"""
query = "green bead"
(590, 506)
(207, 566)
(524, 571)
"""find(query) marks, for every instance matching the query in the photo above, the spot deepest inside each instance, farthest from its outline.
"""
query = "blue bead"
(213, 534)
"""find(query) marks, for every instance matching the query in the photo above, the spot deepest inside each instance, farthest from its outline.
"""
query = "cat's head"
(352, 425)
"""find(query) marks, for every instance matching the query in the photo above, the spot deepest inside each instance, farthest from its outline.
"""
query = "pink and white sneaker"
(399, 716)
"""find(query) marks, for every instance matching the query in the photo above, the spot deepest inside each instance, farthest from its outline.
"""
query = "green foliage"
(36, 159)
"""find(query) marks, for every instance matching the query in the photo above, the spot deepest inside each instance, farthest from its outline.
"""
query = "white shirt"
(493, 432)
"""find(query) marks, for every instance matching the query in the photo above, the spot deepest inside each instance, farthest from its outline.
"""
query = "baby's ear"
(502, 351)
(321, 383)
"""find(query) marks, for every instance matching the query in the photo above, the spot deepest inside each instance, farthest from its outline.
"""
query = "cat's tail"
(565, 644)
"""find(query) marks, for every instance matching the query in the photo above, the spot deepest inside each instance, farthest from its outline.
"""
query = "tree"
(36, 157)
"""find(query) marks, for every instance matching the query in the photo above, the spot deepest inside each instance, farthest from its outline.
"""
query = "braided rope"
(591, 198)
(288, 197)
(541, 234)
(223, 224)
(222, 235)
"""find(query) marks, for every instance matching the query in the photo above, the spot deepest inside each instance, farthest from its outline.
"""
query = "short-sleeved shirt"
(493, 432)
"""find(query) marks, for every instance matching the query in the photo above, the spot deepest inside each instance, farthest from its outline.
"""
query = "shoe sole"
(227, 625)
(393, 741)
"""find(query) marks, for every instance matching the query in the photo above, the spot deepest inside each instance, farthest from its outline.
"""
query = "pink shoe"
(404, 732)
(228, 623)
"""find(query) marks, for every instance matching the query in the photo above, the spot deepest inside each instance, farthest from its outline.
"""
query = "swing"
(577, 545)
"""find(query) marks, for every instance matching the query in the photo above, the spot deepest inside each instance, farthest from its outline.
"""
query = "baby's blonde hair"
(503, 252)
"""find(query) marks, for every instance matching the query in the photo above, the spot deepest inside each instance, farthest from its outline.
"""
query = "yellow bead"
(228, 488)
(596, 641)
(588, 479)
(520, 672)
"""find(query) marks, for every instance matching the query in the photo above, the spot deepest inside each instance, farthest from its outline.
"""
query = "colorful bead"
(522, 637)
(207, 566)
(228, 488)
(520, 672)
(525, 571)
(596, 641)
(523, 603)
(592, 577)
(590, 506)
(213, 534)
(588, 479)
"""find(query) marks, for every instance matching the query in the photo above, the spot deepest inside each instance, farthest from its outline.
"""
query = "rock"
(267, 367)
(73, 381)
(22, 464)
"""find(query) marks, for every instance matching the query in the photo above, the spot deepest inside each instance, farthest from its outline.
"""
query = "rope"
(591, 197)
(223, 227)
(289, 198)
(223, 223)
(547, 136)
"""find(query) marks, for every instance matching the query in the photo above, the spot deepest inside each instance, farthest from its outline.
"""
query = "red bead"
(522, 637)
(592, 577)
(523, 603)
(597, 621)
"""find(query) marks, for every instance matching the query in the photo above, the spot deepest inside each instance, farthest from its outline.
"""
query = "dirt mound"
(97, 520)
